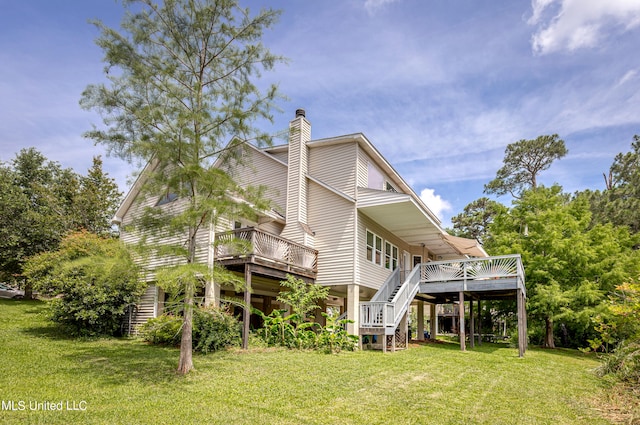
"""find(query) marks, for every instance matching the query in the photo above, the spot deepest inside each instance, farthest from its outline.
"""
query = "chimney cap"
(300, 113)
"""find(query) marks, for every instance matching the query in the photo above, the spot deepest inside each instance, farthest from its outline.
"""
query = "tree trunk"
(548, 338)
(28, 289)
(185, 364)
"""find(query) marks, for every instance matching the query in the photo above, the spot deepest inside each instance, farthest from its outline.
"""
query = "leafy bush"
(285, 331)
(93, 279)
(162, 330)
(277, 329)
(334, 338)
(213, 329)
(624, 363)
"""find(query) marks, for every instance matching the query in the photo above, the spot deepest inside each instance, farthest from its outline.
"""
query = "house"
(344, 218)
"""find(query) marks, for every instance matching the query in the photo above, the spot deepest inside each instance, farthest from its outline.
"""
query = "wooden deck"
(254, 252)
(268, 254)
(441, 282)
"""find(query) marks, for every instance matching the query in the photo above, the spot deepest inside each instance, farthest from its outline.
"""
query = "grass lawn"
(123, 381)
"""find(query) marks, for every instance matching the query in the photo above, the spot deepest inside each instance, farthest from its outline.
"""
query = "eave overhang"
(405, 218)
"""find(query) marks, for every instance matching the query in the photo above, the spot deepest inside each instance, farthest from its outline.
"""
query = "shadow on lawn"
(111, 360)
(117, 362)
(452, 345)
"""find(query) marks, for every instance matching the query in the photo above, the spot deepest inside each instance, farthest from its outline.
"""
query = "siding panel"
(332, 218)
(335, 165)
(369, 274)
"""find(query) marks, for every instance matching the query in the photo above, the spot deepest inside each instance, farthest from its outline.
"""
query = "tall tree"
(36, 203)
(523, 162)
(181, 83)
(476, 217)
(97, 200)
(40, 202)
(619, 203)
(570, 265)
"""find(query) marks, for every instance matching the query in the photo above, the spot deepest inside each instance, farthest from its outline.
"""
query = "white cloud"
(575, 24)
(628, 76)
(372, 6)
(436, 204)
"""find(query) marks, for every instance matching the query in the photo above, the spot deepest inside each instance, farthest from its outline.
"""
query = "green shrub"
(93, 279)
(334, 338)
(279, 330)
(623, 363)
(162, 330)
(213, 329)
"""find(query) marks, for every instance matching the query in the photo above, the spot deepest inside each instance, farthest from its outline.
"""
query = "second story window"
(390, 256)
(374, 248)
(167, 198)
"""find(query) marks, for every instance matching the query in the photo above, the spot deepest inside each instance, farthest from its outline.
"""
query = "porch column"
(420, 321)
(434, 321)
(353, 309)
(472, 325)
(246, 316)
(211, 294)
(522, 323)
(463, 344)
(211, 288)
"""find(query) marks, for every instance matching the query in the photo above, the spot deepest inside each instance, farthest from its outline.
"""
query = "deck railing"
(500, 267)
(262, 244)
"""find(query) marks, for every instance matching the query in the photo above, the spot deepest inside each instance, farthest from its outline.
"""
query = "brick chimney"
(296, 227)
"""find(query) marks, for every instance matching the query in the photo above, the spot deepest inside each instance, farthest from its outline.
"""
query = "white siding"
(369, 274)
(332, 219)
(282, 156)
(145, 309)
(363, 160)
(262, 170)
(272, 227)
(128, 236)
(335, 165)
(363, 172)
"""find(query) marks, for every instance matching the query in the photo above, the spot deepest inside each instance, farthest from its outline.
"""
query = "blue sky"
(440, 87)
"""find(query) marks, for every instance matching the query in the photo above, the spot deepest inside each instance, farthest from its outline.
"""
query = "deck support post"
(472, 325)
(420, 328)
(433, 321)
(522, 323)
(463, 344)
(246, 316)
(479, 322)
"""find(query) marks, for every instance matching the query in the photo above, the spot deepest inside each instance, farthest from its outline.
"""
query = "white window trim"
(377, 255)
(391, 260)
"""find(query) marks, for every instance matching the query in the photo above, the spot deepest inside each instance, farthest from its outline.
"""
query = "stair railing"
(388, 287)
(407, 292)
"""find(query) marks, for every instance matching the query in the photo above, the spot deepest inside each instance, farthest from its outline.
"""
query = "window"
(374, 248)
(417, 259)
(171, 196)
(390, 256)
(375, 179)
(166, 198)
(389, 187)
